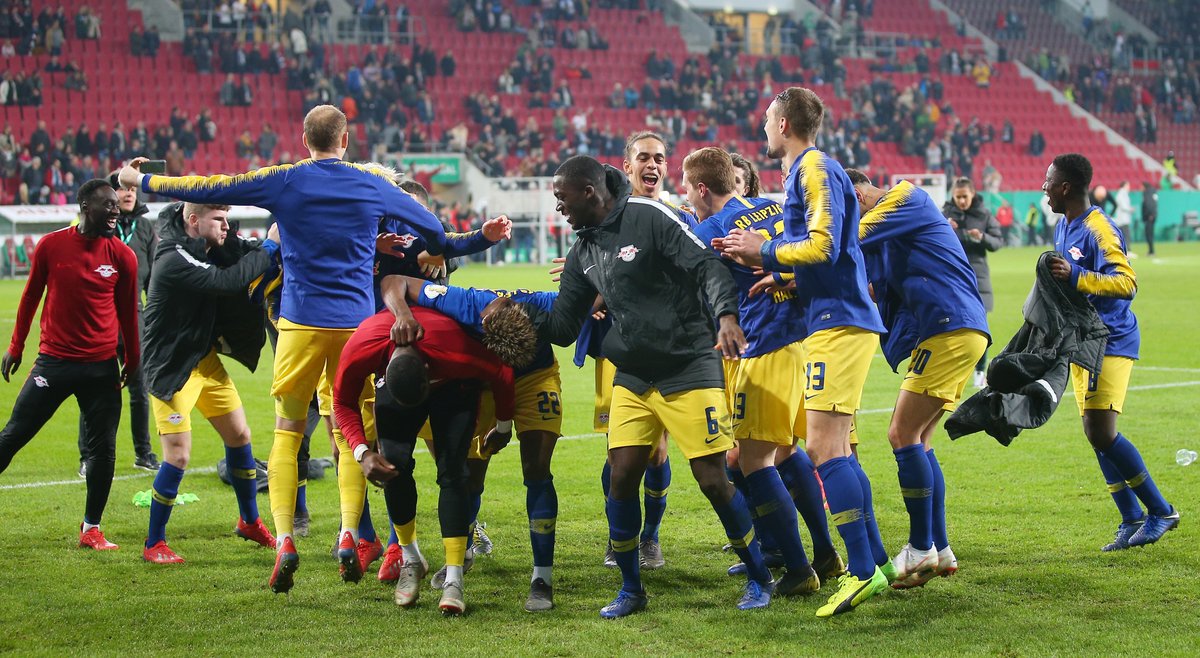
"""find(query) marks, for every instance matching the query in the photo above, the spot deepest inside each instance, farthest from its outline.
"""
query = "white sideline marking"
(572, 437)
(1167, 369)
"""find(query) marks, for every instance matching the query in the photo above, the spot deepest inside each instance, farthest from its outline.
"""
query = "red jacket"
(449, 351)
(91, 287)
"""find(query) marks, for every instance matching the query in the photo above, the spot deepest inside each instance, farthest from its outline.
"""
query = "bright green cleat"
(889, 571)
(853, 591)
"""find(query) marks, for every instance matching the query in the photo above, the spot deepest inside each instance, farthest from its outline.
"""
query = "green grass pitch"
(1026, 523)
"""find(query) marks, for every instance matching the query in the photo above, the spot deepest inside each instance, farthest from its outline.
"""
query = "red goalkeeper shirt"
(449, 351)
(91, 287)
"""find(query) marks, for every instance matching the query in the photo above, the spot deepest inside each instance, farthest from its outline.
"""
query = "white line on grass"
(572, 437)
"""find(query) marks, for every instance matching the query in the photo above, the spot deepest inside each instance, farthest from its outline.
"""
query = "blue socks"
(1128, 461)
(775, 509)
(940, 538)
(166, 488)
(1122, 495)
(243, 475)
(302, 498)
(735, 516)
(916, 486)
(541, 503)
(873, 538)
(475, 502)
(766, 541)
(800, 477)
(624, 520)
(658, 480)
(366, 529)
(845, 496)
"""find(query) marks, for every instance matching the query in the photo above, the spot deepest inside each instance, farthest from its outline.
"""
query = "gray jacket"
(977, 217)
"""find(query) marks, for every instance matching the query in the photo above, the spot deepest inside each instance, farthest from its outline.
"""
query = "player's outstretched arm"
(561, 325)
(260, 187)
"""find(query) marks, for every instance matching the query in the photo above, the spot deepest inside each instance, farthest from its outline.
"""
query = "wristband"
(360, 450)
(504, 426)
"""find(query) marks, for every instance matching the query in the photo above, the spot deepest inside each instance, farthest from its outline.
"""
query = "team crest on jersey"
(406, 240)
(106, 270)
(379, 382)
(175, 418)
(627, 253)
(1075, 253)
(41, 381)
(434, 291)
(603, 418)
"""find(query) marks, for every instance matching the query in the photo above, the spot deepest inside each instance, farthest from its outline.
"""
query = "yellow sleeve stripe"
(168, 184)
(374, 171)
(818, 247)
(891, 201)
(742, 200)
(1122, 283)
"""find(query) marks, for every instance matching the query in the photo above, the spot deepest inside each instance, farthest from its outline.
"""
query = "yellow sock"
(456, 550)
(406, 534)
(282, 479)
(352, 484)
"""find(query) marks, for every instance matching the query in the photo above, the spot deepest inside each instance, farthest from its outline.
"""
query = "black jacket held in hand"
(198, 300)
(654, 276)
(1027, 379)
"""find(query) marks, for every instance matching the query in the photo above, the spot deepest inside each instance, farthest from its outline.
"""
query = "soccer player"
(926, 293)
(1100, 269)
(651, 271)
(767, 400)
(438, 377)
(538, 399)
(90, 280)
(820, 245)
(196, 298)
(328, 212)
(745, 180)
(646, 166)
(136, 230)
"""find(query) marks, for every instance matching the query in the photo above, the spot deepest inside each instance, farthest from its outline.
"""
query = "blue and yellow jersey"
(1100, 269)
(916, 262)
(465, 306)
(769, 321)
(820, 244)
(328, 213)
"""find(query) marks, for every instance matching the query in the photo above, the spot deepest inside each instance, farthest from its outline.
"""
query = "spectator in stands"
(268, 139)
(176, 159)
(229, 91)
(244, 145)
(449, 65)
(76, 81)
(32, 183)
(982, 74)
(151, 42)
(1037, 143)
(991, 177)
(7, 50)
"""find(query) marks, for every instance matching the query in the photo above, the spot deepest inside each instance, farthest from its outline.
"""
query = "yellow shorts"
(941, 365)
(208, 389)
(768, 396)
(730, 366)
(538, 407)
(302, 355)
(698, 420)
(605, 373)
(836, 365)
(1103, 391)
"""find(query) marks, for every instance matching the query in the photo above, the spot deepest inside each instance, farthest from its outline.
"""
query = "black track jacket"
(655, 277)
